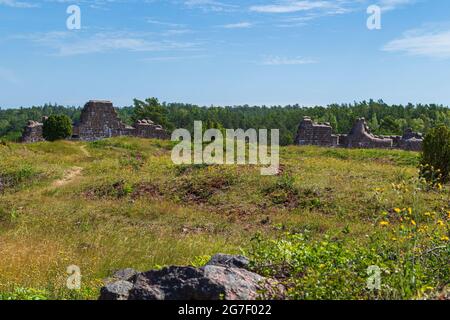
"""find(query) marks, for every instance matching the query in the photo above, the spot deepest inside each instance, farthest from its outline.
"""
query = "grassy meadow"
(121, 203)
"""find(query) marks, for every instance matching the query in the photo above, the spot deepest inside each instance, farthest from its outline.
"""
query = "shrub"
(435, 160)
(57, 127)
(116, 190)
(283, 191)
(11, 178)
(24, 294)
(331, 268)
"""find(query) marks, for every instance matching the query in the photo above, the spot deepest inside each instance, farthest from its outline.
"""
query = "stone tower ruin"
(99, 120)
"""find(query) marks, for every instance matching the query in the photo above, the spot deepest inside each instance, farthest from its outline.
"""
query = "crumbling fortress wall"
(310, 133)
(33, 132)
(148, 129)
(361, 137)
(99, 120)
(318, 134)
(411, 141)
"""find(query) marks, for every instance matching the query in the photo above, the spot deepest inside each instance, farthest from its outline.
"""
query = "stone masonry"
(32, 132)
(99, 120)
(148, 129)
(361, 137)
(310, 133)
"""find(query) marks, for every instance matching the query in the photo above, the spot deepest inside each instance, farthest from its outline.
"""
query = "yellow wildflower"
(384, 223)
(398, 210)
(409, 211)
(445, 238)
(441, 223)
(413, 223)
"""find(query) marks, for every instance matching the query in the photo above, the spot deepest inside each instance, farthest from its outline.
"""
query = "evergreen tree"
(151, 109)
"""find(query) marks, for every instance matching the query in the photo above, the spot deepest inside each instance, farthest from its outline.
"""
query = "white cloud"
(165, 24)
(387, 5)
(17, 4)
(329, 6)
(239, 25)
(278, 61)
(421, 43)
(292, 6)
(70, 43)
(173, 58)
(210, 5)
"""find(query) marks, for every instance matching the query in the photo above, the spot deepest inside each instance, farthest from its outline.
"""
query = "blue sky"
(224, 52)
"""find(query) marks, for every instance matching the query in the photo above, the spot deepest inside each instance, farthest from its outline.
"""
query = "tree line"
(382, 118)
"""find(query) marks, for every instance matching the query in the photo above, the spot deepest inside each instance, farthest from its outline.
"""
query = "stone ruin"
(310, 133)
(147, 128)
(99, 120)
(33, 131)
(361, 137)
(411, 141)
(317, 134)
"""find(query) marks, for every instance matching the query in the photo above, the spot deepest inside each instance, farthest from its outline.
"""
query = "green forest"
(382, 118)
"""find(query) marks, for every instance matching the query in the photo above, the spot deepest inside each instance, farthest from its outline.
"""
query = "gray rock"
(128, 274)
(230, 261)
(188, 283)
(223, 277)
(175, 283)
(118, 290)
(238, 284)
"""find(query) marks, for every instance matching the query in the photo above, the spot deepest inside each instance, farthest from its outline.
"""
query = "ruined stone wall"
(99, 120)
(32, 132)
(361, 137)
(412, 144)
(148, 129)
(310, 133)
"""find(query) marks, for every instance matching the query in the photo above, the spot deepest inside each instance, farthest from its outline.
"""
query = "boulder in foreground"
(223, 277)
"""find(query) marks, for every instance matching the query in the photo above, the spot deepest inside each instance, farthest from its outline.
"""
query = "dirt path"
(85, 151)
(68, 176)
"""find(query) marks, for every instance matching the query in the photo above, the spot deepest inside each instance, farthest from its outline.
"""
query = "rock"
(223, 277)
(226, 260)
(188, 283)
(126, 275)
(238, 284)
(175, 283)
(118, 290)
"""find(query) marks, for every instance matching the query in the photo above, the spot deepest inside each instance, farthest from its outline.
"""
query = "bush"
(334, 269)
(11, 178)
(57, 127)
(435, 160)
(24, 294)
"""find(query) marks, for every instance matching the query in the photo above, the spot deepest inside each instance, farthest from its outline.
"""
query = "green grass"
(130, 206)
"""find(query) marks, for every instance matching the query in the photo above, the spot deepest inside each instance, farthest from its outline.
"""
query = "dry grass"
(122, 203)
